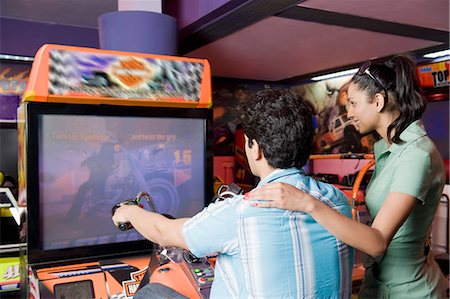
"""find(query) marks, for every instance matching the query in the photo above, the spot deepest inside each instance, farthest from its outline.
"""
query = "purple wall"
(23, 37)
(187, 12)
(436, 121)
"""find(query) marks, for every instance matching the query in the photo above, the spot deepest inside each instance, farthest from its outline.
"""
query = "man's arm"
(153, 226)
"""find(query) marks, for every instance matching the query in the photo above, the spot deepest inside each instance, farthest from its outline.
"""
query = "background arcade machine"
(95, 128)
(353, 186)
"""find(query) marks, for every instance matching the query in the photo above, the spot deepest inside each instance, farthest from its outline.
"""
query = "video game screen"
(89, 163)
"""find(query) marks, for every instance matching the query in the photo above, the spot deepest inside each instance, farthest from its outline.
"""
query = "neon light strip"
(335, 75)
(16, 57)
(437, 54)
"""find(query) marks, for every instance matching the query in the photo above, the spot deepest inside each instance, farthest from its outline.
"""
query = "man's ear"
(255, 150)
(379, 102)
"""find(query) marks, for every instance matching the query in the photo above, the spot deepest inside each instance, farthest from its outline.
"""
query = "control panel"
(200, 270)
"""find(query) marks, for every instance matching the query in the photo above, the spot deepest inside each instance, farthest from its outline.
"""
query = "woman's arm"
(372, 240)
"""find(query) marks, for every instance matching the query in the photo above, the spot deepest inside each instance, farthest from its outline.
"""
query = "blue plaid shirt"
(273, 253)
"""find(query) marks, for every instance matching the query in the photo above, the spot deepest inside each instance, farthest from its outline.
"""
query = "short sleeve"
(412, 174)
(212, 230)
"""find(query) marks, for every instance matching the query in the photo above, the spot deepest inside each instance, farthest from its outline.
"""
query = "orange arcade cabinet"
(95, 128)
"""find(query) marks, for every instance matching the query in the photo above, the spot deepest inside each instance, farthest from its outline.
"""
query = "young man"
(264, 253)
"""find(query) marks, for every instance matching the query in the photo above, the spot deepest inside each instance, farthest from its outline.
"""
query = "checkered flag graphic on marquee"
(185, 77)
(61, 71)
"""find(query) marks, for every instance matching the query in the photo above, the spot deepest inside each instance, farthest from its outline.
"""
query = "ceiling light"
(16, 57)
(335, 75)
(437, 54)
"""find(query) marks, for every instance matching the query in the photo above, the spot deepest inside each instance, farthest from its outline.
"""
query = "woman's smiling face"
(362, 109)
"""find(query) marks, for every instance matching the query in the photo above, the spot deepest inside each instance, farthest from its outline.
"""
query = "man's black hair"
(281, 122)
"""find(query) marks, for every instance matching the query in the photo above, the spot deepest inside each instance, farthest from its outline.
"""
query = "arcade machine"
(353, 193)
(9, 240)
(97, 128)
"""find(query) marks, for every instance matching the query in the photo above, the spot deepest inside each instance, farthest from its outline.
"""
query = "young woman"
(404, 191)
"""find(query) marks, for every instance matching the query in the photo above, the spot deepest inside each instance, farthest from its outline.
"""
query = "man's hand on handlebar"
(120, 216)
(158, 228)
(132, 202)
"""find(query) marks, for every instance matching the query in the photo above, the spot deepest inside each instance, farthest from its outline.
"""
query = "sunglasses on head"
(364, 70)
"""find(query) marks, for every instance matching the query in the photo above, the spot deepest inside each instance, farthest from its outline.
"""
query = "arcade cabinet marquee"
(90, 76)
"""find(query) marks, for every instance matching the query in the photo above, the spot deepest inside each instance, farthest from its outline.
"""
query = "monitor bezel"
(35, 251)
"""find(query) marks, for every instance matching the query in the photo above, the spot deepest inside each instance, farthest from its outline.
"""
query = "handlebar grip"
(168, 216)
(125, 226)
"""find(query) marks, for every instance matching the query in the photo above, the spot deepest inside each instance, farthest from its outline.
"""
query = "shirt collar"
(278, 173)
(413, 132)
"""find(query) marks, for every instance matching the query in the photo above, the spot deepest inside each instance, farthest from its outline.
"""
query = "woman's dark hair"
(399, 77)
(281, 123)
